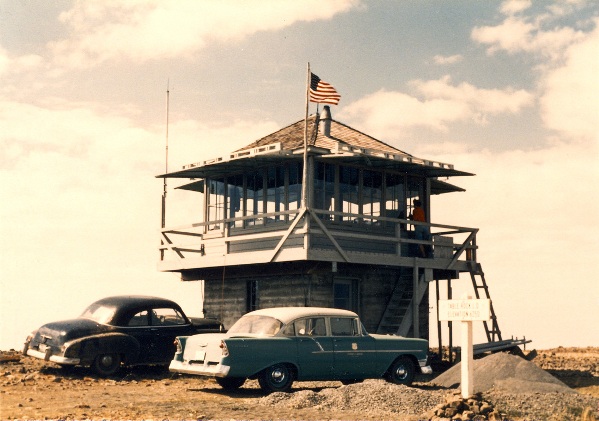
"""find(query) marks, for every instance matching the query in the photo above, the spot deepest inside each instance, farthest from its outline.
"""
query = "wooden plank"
(322, 227)
(288, 233)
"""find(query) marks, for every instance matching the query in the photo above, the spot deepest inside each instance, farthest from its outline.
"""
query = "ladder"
(476, 270)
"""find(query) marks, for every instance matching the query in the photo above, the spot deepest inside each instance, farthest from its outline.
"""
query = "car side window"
(289, 330)
(139, 319)
(344, 326)
(166, 317)
(314, 326)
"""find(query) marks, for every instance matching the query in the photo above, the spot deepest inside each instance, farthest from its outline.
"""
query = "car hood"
(66, 330)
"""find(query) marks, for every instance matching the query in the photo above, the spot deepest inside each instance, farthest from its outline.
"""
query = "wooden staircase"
(398, 303)
(481, 290)
(399, 314)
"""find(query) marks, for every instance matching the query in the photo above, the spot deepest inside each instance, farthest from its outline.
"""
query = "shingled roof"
(292, 137)
(329, 140)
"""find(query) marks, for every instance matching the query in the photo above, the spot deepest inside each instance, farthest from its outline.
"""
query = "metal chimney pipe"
(325, 121)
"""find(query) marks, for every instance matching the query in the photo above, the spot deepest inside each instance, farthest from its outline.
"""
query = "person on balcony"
(421, 232)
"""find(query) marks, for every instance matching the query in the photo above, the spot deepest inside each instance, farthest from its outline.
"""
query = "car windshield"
(256, 325)
(99, 313)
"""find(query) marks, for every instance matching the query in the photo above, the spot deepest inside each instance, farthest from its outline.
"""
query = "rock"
(450, 412)
(495, 416)
(485, 408)
(467, 415)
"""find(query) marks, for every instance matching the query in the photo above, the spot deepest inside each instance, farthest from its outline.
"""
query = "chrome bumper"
(218, 370)
(47, 356)
(424, 367)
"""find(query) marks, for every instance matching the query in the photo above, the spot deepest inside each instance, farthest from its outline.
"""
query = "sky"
(506, 90)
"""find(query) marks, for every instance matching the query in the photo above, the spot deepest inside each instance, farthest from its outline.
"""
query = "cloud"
(542, 34)
(191, 141)
(81, 205)
(486, 101)
(435, 104)
(569, 99)
(526, 232)
(79, 164)
(567, 64)
(511, 7)
(456, 58)
(516, 35)
(155, 29)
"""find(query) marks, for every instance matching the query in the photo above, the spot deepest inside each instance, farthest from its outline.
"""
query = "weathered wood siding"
(374, 286)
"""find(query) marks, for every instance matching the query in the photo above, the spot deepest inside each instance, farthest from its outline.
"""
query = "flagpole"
(305, 169)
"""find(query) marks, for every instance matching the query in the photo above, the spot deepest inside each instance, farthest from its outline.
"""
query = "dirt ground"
(34, 389)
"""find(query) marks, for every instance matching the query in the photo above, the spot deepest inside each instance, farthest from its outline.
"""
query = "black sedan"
(115, 331)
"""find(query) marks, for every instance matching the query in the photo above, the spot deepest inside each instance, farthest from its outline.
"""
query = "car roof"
(135, 301)
(288, 314)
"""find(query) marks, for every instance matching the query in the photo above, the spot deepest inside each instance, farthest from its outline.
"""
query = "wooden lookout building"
(344, 239)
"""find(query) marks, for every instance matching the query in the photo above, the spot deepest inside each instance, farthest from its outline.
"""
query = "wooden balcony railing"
(343, 234)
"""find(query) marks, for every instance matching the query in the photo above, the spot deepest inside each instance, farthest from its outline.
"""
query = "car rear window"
(256, 325)
(344, 326)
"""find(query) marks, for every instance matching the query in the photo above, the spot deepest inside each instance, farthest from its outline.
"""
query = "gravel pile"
(371, 396)
(509, 387)
(505, 372)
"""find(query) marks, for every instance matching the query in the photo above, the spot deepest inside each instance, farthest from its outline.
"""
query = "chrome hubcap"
(106, 360)
(401, 372)
(278, 375)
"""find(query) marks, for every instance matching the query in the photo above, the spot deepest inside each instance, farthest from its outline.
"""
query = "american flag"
(322, 92)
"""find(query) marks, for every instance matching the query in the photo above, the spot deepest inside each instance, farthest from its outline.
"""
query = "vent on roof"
(325, 121)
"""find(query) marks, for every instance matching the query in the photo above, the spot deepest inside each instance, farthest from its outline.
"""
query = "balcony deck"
(314, 235)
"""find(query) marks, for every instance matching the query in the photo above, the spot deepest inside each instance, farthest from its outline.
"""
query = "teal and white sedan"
(280, 345)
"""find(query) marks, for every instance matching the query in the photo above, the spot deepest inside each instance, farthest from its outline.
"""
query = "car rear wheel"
(230, 383)
(107, 364)
(276, 378)
(402, 371)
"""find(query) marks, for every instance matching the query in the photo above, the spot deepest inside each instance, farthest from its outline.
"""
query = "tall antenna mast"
(166, 159)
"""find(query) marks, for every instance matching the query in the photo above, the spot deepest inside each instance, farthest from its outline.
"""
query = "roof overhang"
(249, 159)
(235, 162)
(441, 187)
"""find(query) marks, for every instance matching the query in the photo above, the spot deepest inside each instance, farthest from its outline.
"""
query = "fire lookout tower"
(351, 245)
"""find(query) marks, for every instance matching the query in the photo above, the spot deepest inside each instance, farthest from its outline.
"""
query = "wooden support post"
(415, 304)
(450, 323)
(439, 330)
(467, 384)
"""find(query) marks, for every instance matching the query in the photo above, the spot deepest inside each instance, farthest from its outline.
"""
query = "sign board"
(464, 310)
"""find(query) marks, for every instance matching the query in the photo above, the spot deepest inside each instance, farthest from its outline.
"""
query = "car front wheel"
(402, 371)
(276, 378)
(230, 383)
(107, 364)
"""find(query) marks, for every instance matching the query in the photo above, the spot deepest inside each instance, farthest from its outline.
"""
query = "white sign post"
(466, 311)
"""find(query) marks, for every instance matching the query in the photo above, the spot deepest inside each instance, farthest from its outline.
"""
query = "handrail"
(283, 221)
